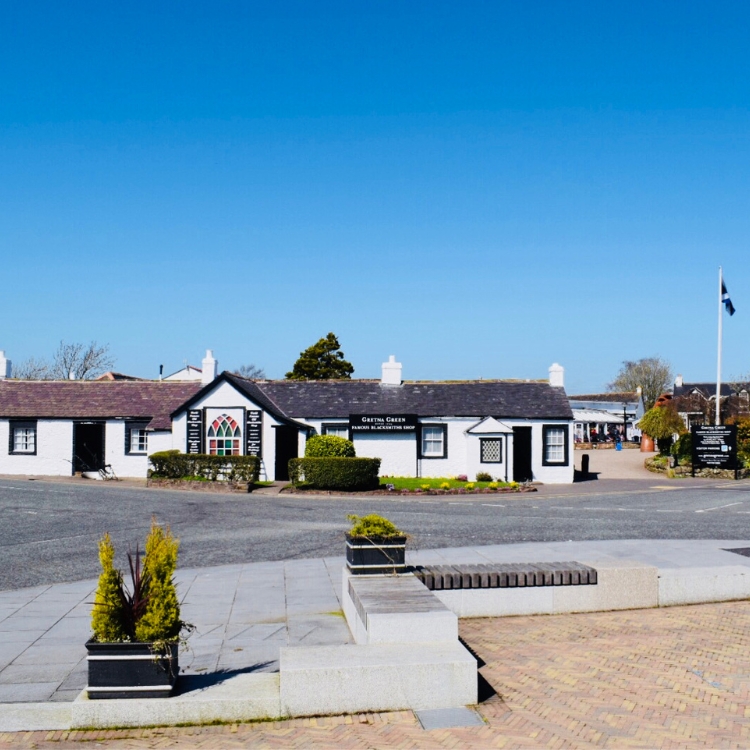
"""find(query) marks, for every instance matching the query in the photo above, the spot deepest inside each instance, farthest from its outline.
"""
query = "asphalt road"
(49, 531)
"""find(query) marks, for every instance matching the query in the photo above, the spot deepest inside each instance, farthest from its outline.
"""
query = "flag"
(728, 306)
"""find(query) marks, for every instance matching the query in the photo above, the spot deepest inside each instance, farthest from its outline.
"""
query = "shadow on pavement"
(193, 682)
(579, 476)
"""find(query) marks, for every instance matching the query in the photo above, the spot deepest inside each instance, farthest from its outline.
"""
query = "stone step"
(395, 609)
(351, 679)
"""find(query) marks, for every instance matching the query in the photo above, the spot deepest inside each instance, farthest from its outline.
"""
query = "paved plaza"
(675, 677)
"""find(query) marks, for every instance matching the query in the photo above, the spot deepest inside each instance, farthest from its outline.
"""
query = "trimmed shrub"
(324, 446)
(176, 465)
(335, 473)
(373, 525)
(483, 476)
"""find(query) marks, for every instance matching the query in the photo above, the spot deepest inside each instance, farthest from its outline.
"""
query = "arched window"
(224, 437)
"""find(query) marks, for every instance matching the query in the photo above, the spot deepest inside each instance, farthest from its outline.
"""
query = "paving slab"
(257, 609)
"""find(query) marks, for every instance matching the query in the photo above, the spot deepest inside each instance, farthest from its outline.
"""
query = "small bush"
(683, 446)
(373, 525)
(176, 465)
(483, 476)
(325, 446)
(445, 486)
(335, 473)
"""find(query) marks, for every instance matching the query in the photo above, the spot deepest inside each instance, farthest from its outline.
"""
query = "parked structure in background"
(696, 402)
(606, 417)
(517, 430)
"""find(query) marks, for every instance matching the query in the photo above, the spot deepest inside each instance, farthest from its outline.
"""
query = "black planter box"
(130, 670)
(375, 555)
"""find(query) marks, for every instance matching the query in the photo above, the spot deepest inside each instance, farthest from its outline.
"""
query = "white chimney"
(557, 376)
(391, 372)
(678, 381)
(5, 366)
(210, 368)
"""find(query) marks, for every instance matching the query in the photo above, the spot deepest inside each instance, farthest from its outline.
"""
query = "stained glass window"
(224, 437)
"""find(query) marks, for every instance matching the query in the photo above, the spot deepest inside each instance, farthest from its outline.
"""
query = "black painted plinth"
(130, 670)
(375, 555)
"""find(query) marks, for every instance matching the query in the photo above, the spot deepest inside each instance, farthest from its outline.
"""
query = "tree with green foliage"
(652, 374)
(662, 423)
(323, 360)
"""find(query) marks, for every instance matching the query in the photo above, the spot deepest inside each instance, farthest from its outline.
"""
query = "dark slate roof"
(610, 397)
(250, 388)
(94, 399)
(707, 390)
(479, 398)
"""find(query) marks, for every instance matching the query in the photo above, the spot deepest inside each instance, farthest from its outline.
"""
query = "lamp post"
(624, 423)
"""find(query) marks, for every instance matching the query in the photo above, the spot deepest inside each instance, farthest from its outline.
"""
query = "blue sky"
(480, 188)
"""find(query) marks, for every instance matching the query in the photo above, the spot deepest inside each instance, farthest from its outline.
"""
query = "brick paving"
(662, 678)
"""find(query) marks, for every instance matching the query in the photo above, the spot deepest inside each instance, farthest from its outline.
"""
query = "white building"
(513, 430)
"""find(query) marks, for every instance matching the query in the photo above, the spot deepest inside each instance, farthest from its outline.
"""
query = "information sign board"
(714, 447)
(195, 431)
(383, 423)
(254, 433)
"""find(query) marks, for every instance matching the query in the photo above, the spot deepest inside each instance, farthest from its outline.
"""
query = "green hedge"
(335, 473)
(325, 446)
(176, 465)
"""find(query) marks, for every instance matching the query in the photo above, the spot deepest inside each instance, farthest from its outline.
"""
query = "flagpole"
(718, 364)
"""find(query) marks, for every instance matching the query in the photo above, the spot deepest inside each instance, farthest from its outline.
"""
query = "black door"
(88, 446)
(522, 454)
(286, 448)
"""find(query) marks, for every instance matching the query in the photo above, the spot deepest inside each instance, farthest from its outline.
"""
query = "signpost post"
(715, 447)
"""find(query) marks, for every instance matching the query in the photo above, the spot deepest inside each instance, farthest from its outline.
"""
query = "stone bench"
(396, 609)
(504, 575)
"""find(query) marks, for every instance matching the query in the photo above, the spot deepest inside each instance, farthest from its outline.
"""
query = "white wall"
(398, 452)
(551, 474)
(114, 452)
(54, 450)
(455, 461)
(160, 440)
(502, 471)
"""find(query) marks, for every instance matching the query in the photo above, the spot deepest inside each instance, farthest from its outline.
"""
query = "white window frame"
(337, 429)
(555, 451)
(23, 438)
(433, 441)
(141, 435)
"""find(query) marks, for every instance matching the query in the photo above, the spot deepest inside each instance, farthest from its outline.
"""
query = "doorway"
(88, 446)
(522, 454)
(287, 446)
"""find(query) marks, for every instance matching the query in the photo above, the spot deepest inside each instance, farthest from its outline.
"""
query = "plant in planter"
(133, 652)
(374, 545)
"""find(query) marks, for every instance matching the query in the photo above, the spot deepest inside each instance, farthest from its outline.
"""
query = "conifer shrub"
(324, 446)
(107, 616)
(147, 611)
